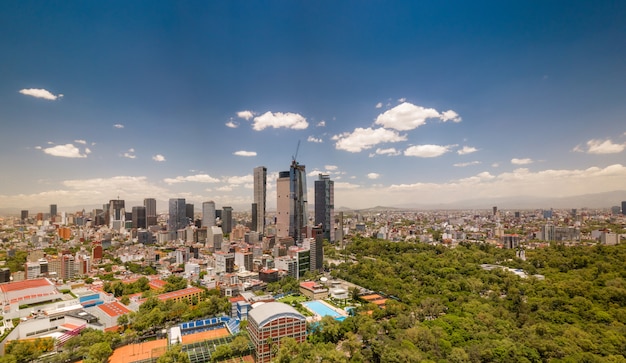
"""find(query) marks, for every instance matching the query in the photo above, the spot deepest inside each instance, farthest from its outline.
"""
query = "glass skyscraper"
(325, 206)
(178, 214)
(260, 196)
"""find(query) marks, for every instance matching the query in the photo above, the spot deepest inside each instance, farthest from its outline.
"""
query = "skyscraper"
(117, 214)
(325, 206)
(260, 196)
(291, 203)
(151, 213)
(624, 208)
(282, 204)
(177, 216)
(189, 211)
(208, 214)
(139, 217)
(227, 219)
(53, 211)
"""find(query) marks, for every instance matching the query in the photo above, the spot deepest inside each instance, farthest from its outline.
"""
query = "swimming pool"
(319, 308)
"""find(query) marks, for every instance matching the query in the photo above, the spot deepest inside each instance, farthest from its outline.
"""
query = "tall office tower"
(325, 206)
(53, 211)
(117, 214)
(282, 204)
(24, 216)
(624, 208)
(260, 196)
(253, 218)
(151, 212)
(495, 210)
(227, 219)
(178, 214)
(292, 205)
(297, 193)
(189, 210)
(139, 217)
(208, 214)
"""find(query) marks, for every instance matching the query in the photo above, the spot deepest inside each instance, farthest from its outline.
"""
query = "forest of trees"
(449, 309)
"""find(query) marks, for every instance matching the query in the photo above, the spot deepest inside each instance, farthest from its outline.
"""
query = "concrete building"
(269, 323)
(208, 214)
(325, 206)
(151, 211)
(117, 215)
(260, 198)
(177, 214)
(227, 219)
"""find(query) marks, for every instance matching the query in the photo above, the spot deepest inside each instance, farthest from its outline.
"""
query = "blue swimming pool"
(321, 309)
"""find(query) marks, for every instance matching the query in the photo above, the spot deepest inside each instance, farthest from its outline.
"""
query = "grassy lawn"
(293, 298)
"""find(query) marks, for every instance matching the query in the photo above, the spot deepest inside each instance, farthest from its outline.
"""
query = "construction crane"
(297, 149)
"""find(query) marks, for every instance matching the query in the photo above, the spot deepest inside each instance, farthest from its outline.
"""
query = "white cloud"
(495, 165)
(362, 139)
(38, 147)
(373, 175)
(389, 151)
(379, 105)
(314, 139)
(344, 185)
(65, 151)
(407, 116)
(225, 188)
(87, 150)
(467, 150)
(244, 153)
(450, 116)
(40, 93)
(130, 154)
(198, 178)
(525, 161)
(278, 119)
(321, 124)
(401, 100)
(470, 163)
(596, 146)
(427, 151)
(331, 167)
(81, 142)
(118, 126)
(232, 124)
(239, 179)
(158, 157)
(246, 115)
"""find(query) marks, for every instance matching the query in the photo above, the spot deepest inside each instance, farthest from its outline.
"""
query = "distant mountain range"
(596, 200)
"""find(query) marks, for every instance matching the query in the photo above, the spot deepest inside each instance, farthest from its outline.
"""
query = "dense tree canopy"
(448, 308)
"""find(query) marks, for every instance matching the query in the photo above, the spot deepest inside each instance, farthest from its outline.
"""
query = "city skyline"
(404, 103)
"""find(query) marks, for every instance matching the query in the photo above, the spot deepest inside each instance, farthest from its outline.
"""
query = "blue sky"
(400, 102)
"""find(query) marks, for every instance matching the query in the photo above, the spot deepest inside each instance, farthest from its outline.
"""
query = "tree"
(100, 352)
(174, 355)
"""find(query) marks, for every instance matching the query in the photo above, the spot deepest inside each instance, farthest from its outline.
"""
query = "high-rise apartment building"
(325, 206)
(260, 196)
(151, 212)
(177, 214)
(208, 214)
(227, 219)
